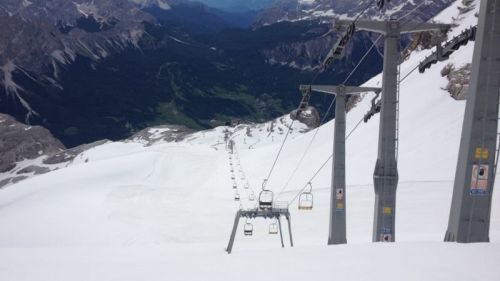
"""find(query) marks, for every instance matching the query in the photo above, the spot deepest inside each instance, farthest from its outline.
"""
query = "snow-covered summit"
(293, 10)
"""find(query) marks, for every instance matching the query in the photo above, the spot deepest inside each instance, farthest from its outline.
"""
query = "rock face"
(97, 69)
(26, 151)
(166, 133)
(309, 117)
(458, 80)
(21, 142)
(292, 10)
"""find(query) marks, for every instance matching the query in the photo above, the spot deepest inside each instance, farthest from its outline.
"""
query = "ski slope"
(126, 211)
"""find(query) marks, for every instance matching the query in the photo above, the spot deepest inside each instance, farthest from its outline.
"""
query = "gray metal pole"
(385, 176)
(281, 233)
(337, 230)
(233, 233)
(476, 168)
(337, 223)
(288, 218)
(386, 169)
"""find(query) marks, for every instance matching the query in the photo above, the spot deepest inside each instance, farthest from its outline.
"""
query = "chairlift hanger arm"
(339, 89)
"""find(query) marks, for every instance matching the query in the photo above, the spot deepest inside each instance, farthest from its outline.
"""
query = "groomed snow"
(123, 211)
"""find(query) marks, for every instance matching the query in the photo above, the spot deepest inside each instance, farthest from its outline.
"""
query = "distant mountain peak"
(162, 4)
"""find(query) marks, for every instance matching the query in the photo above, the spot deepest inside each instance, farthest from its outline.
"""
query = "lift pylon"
(477, 161)
(337, 229)
(385, 176)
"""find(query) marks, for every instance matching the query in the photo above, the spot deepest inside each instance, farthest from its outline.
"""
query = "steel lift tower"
(337, 229)
(477, 163)
(385, 176)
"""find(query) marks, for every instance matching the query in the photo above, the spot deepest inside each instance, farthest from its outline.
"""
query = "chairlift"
(306, 199)
(265, 197)
(236, 196)
(235, 186)
(248, 229)
(273, 228)
(232, 177)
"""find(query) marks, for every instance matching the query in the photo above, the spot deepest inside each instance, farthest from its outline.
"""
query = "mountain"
(238, 5)
(106, 69)
(293, 10)
(129, 211)
(162, 4)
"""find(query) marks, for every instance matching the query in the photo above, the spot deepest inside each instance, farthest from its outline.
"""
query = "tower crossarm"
(389, 26)
(340, 89)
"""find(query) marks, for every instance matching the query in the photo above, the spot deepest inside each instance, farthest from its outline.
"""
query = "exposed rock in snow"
(165, 133)
(309, 116)
(458, 80)
(19, 142)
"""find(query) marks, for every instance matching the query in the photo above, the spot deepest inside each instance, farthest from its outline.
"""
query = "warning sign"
(340, 194)
(481, 153)
(479, 181)
(387, 210)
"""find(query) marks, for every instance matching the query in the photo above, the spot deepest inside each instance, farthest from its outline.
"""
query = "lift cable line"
(385, 175)
(349, 32)
(276, 210)
(357, 125)
(323, 165)
(331, 104)
(333, 101)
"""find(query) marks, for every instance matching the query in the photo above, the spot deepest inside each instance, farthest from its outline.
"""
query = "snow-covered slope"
(125, 211)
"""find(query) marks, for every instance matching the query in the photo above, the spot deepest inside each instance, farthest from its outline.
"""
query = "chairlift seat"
(266, 199)
(273, 228)
(306, 201)
(248, 229)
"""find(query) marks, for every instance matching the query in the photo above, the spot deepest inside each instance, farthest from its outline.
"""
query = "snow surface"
(123, 211)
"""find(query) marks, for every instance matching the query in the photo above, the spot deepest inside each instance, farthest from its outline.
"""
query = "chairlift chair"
(273, 228)
(248, 229)
(266, 197)
(236, 196)
(235, 186)
(306, 199)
